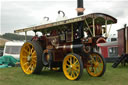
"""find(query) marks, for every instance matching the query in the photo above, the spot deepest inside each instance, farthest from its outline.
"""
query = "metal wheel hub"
(96, 64)
(29, 58)
(73, 67)
(70, 66)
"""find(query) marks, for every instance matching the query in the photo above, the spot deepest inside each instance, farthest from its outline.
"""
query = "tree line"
(11, 36)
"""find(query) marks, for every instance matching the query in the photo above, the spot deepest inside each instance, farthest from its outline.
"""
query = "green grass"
(15, 76)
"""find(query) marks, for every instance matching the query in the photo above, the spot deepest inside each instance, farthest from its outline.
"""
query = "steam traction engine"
(69, 45)
(63, 44)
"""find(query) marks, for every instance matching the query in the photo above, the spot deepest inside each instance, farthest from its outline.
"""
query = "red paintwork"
(104, 48)
(104, 51)
(61, 52)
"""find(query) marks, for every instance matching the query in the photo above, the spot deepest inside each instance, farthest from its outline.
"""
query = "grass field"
(15, 76)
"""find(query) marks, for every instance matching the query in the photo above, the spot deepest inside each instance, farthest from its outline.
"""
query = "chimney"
(80, 9)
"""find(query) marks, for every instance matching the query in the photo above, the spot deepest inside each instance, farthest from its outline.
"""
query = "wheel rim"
(95, 65)
(28, 58)
(71, 67)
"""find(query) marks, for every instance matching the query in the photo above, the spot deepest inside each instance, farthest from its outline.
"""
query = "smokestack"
(80, 9)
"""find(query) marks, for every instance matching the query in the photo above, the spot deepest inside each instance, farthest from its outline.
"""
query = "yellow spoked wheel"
(96, 65)
(72, 67)
(30, 57)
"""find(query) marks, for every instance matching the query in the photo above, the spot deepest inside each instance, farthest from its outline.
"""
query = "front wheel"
(30, 57)
(96, 65)
(72, 67)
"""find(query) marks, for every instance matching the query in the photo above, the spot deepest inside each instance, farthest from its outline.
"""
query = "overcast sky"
(17, 14)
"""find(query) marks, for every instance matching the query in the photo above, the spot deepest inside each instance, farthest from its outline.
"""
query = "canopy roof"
(99, 18)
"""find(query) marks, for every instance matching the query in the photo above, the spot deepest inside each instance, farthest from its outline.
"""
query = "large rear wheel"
(72, 67)
(31, 57)
(96, 65)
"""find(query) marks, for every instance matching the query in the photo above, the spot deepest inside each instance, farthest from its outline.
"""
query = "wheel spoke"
(32, 50)
(77, 65)
(99, 68)
(75, 62)
(101, 62)
(76, 72)
(28, 68)
(26, 51)
(34, 65)
(33, 53)
(25, 63)
(69, 71)
(32, 68)
(34, 57)
(77, 69)
(71, 60)
(92, 58)
(73, 74)
(34, 60)
(24, 57)
(68, 61)
(29, 47)
(67, 65)
(95, 71)
(96, 58)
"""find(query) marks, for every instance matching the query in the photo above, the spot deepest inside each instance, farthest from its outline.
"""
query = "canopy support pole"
(126, 38)
(72, 35)
(35, 33)
(72, 31)
(109, 30)
(93, 27)
(106, 28)
(88, 27)
(25, 35)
